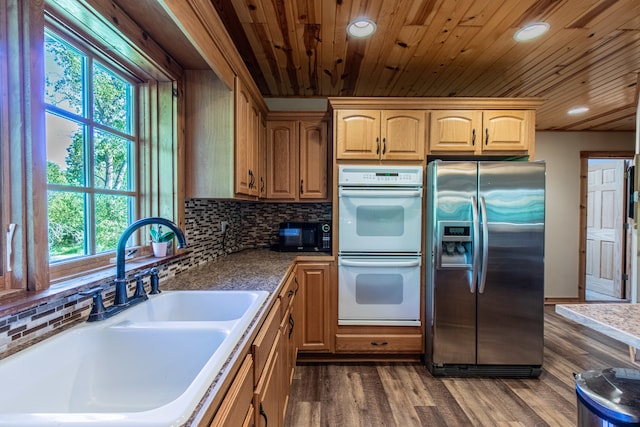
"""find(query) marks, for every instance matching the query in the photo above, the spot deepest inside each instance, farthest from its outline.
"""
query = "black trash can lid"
(613, 393)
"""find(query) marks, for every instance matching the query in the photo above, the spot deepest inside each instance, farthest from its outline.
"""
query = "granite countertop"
(252, 269)
(618, 321)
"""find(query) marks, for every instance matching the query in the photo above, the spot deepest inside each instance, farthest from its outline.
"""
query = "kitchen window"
(118, 147)
(91, 147)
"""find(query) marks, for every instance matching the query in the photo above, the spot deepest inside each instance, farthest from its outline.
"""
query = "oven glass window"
(379, 289)
(380, 220)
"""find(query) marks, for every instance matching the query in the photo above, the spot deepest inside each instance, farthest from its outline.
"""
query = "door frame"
(584, 169)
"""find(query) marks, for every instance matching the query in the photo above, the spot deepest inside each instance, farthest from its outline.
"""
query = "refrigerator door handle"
(476, 243)
(485, 245)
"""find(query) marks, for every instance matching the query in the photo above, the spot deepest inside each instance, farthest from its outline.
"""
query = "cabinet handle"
(384, 145)
(382, 344)
(295, 279)
(261, 185)
(473, 137)
(251, 179)
(486, 132)
(301, 186)
(377, 145)
(292, 323)
(264, 415)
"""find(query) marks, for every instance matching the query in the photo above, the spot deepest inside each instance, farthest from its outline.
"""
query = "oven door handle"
(380, 193)
(377, 263)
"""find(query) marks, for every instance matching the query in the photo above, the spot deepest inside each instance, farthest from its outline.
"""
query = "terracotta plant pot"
(159, 249)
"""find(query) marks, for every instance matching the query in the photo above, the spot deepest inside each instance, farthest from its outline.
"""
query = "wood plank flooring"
(405, 394)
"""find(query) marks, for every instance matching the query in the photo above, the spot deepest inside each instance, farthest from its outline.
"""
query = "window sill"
(17, 301)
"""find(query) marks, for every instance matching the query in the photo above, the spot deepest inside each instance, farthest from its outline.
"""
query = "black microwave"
(304, 237)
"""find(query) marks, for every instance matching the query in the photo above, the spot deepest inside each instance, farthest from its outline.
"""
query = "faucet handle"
(140, 292)
(98, 311)
(155, 281)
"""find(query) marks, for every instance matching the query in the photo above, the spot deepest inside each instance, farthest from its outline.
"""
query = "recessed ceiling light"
(578, 110)
(531, 31)
(361, 27)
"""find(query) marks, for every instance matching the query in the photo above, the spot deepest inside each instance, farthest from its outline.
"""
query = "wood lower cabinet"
(237, 407)
(314, 309)
(267, 398)
(380, 134)
(394, 343)
(481, 132)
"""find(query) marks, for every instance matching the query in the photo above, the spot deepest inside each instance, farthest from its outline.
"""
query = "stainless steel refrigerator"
(485, 268)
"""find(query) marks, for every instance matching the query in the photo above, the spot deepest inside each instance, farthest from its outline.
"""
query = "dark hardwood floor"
(405, 394)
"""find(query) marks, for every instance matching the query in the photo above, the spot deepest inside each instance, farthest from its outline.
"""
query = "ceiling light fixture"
(531, 31)
(577, 110)
(361, 27)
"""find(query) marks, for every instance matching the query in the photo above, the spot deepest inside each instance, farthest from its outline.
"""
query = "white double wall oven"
(379, 243)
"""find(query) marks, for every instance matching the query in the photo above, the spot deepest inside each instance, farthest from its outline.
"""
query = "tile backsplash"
(251, 225)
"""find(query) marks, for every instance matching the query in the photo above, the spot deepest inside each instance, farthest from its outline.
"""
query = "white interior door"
(604, 266)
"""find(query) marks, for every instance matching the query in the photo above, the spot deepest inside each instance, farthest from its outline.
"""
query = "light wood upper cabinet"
(282, 161)
(247, 131)
(380, 134)
(225, 139)
(481, 131)
(403, 134)
(507, 130)
(297, 160)
(313, 160)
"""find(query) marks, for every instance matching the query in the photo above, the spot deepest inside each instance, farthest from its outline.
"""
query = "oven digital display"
(387, 174)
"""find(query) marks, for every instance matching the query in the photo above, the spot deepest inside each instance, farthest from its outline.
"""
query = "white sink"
(191, 306)
(148, 370)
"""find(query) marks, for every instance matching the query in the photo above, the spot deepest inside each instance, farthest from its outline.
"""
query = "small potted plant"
(160, 240)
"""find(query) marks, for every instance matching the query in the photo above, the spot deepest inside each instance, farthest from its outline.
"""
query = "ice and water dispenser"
(454, 244)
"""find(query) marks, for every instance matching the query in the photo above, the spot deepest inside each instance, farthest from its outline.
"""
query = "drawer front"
(356, 343)
(238, 399)
(265, 339)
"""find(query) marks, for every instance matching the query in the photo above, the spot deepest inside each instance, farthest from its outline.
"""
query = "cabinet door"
(403, 135)
(262, 158)
(313, 307)
(267, 397)
(238, 400)
(456, 130)
(358, 134)
(242, 136)
(282, 162)
(313, 160)
(507, 130)
(253, 143)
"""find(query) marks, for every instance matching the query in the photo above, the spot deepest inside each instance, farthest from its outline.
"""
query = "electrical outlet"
(224, 225)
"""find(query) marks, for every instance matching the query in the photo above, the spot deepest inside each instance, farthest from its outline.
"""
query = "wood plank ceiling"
(590, 57)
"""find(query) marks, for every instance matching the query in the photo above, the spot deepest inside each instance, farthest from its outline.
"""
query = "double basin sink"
(149, 365)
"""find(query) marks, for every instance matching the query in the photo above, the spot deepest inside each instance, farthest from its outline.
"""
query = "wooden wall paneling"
(420, 67)
(332, 63)
(202, 28)
(482, 50)
(388, 20)
(27, 155)
(105, 21)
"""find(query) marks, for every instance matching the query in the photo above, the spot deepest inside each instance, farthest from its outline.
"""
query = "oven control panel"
(361, 175)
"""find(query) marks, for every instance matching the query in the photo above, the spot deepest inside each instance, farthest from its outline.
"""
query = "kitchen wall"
(561, 151)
